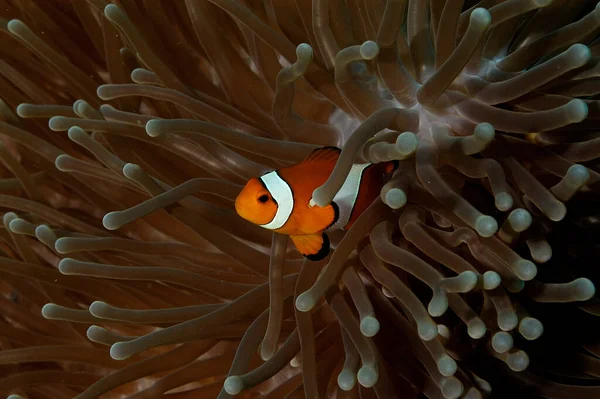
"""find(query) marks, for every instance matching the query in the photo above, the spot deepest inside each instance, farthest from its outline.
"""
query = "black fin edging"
(327, 147)
(336, 214)
(323, 252)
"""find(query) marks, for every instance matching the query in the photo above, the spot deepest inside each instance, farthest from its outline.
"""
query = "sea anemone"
(127, 129)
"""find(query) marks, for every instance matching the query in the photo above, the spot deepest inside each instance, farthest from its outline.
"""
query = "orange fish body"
(280, 200)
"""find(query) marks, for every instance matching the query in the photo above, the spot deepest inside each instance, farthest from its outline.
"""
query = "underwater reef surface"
(128, 128)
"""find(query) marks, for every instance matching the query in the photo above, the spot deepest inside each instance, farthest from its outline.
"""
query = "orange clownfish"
(281, 200)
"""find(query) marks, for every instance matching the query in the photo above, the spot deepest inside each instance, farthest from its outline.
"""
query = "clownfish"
(281, 200)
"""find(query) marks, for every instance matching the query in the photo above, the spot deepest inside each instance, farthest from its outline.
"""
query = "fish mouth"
(241, 211)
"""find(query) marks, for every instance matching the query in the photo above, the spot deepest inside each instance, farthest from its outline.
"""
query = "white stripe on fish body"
(282, 194)
(348, 194)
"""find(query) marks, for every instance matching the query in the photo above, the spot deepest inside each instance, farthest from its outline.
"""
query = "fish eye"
(263, 198)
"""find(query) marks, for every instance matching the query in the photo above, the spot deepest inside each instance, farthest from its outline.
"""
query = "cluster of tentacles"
(128, 129)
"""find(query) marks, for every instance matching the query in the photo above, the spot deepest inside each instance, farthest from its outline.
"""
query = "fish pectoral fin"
(327, 216)
(312, 246)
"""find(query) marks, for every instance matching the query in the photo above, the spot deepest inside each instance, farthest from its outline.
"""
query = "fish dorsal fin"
(324, 154)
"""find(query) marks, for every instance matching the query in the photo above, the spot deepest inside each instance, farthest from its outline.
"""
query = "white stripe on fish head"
(282, 195)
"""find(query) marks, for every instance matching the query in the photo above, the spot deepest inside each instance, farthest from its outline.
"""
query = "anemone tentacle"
(127, 129)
